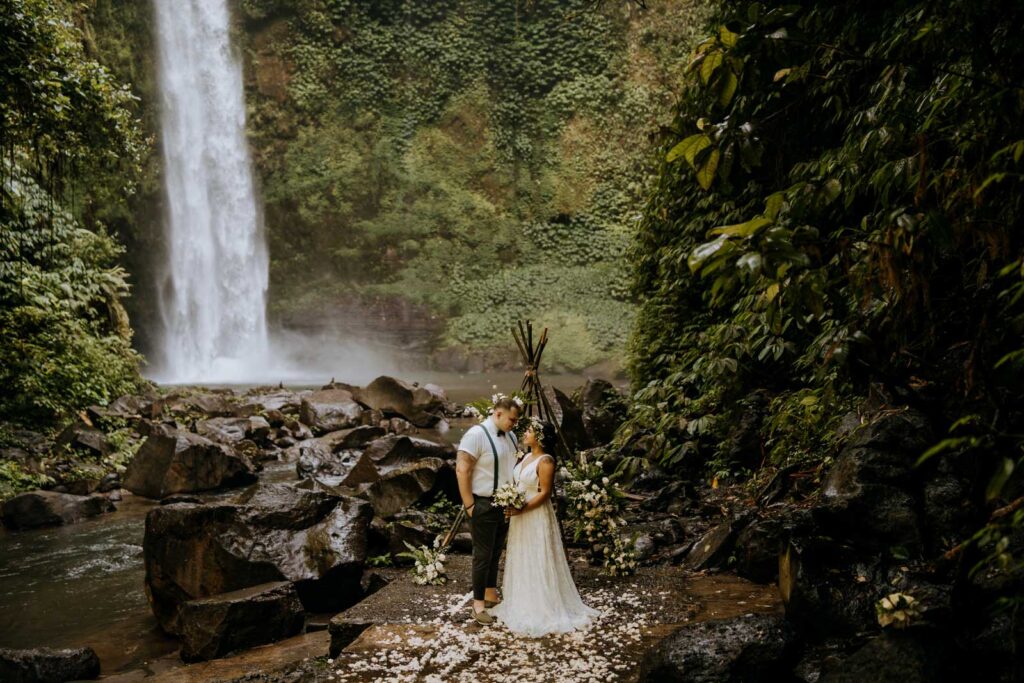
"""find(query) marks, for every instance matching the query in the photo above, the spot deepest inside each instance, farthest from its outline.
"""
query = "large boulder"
(421, 405)
(603, 409)
(274, 532)
(335, 463)
(48, 665)
(397, 450)
(401, 486)
(330, 410)
(232, 430)
(84, 438)
(215, 626)
(567, 418)
(868, 495)
(752, 647)
(175, 461)
(48, 508)
(916, 655)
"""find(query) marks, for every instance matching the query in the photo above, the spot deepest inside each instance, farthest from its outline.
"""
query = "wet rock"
(423, 406)
(181, 498)
(391, 536)
(274, 532)
(215, 626)
(231, 430)
(753, 647)
(110, 482)
(757, 550)
(87, 478)
(394, 451)
(915, 655)
(827, 590)
(867, 494)
(603, 409)
(180, 462)
(644, 547)
(948, 513)
(329, 411)
(403, 485)
(85, 439)
(48, 508)
(48, 665)
(272, 399)
(714, 547)
(568, 418)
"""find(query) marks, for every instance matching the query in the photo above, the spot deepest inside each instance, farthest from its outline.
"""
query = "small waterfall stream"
(213, 295)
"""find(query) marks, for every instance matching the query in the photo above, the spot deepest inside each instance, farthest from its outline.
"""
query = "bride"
(539, 596)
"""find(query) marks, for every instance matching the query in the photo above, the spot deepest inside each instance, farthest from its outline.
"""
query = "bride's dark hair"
(548, 436)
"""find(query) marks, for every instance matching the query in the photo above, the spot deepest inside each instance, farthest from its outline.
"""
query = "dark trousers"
(488, 528)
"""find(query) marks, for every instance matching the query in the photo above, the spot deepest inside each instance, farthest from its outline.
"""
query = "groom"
(484, 463)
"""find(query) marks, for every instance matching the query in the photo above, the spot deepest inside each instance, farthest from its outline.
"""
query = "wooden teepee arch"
(532, 387)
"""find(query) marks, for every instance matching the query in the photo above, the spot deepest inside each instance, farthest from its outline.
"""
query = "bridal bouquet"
(510, 496)
(429, 568)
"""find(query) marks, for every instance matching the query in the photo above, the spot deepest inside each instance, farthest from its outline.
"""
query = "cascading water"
(213, 298)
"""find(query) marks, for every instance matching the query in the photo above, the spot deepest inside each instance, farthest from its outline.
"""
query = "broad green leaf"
(941, 447)
(710, 65)
(688, 148)
(750, 262)
(706, 173)
(751, 227)
(771, 292)
(781, 73)
(727, 37)
(728, 85)
(700, 255)
(773, 204)
(999, 479)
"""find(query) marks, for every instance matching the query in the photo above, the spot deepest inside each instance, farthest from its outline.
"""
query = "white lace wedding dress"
(538, 593)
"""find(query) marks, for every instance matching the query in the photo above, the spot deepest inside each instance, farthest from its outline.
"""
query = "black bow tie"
(501, 433)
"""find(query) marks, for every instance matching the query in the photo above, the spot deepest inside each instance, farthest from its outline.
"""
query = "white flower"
(604, 481)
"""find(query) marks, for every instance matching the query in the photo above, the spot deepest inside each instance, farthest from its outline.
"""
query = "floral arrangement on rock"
(594, 505)
(897, 610)
(429, 564)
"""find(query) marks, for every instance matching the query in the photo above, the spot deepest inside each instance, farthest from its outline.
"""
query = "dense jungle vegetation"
(71, 147)
(836, 224)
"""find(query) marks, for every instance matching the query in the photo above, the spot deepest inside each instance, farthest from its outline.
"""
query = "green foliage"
(482, 159)
(66, 123)
(834, 203)
(14, 479)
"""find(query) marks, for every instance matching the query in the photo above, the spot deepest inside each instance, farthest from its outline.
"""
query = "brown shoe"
(481, 617)
(491, 603)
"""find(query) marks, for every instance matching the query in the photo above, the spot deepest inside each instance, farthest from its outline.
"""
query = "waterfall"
(213, 296)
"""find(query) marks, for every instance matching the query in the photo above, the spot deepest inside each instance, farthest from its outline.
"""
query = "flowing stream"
(213, 296)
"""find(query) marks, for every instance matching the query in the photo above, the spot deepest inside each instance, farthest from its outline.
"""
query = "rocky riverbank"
(268, 565)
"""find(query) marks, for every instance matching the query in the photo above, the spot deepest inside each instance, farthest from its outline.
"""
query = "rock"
(329, 411)
(915, 655)
(644, 546)
(274, 532)
(110, 482)
(394, 451)
(568, 418)
(948, 513)
(603, 410)
(742, 445)
(181, 498)
(391, 537)
(181, 462)
(276, 400)
(48, 508)
(757, 550)
(826, 590)
(48, 665)
(84, 438)
(215, 626)
(87, 479)
(867, 493)
(714, 548)
(752, 647)
(403, 485)
(332, 457)
(231, 430)
(423, 406)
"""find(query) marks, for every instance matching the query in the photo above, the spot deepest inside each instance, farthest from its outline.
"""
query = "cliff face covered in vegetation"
(480, 161)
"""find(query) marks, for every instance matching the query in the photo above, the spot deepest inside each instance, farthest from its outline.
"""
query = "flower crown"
(499, 396)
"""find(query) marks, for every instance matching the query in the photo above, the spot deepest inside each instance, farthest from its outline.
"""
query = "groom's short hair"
(506, 404)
